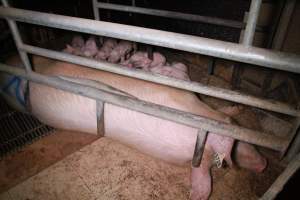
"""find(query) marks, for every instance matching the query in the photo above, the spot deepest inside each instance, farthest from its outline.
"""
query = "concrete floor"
(105, 169)
(39, 155)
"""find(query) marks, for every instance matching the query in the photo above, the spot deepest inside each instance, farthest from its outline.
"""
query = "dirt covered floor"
(107, 169)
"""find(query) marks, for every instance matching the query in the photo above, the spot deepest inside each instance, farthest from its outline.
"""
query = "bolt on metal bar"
(196, 121)
(251, 22)
(96, 10)
(175, 15)
(181, 84)
(18, 40)
(194, 44)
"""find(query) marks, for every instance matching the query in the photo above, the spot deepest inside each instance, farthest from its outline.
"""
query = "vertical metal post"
(100, 117)
(96, 10)
(211, 66)
(284, 18)
(248, 37)
(283, 24)
(251, 22)
(133, 5)
(199, 148)
(18, 40)
(295, 145)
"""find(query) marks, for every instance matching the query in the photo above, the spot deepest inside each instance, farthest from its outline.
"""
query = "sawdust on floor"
(107, 169)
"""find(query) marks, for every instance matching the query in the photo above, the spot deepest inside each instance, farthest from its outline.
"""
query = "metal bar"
(278, 9)
(100, 117)
(194, 44)
(236, 132)
(186, 85)
(211, 66)
(199, 148)
(294, 147)
(96, 10)
(251, 22)
(18, 40)
(175, 15)
(283, 24)
(236, 75)
(283, 178)
(150, 52)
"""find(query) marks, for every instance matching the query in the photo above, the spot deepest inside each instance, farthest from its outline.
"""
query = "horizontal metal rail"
(174, 15)
(236, 132)
(210, 47)
(186, 85)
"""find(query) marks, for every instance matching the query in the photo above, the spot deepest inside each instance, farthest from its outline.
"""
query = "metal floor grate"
(18, 129)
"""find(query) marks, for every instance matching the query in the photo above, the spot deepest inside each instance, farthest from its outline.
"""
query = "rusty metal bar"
(186, 85)
(194, 44)
(175, 15)
(234, 131)
(100, 117)
(199, 148)
(18, 40)
(251, 22)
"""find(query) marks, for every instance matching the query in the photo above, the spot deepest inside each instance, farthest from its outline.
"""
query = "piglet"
(90, 48)
(108, 45)
(121, 52)
(158, 60)
(138, 60)
(180, 66)
(76, 45)
(171, 72)
(77, 42)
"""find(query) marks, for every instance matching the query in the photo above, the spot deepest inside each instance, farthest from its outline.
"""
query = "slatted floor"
(18, 129)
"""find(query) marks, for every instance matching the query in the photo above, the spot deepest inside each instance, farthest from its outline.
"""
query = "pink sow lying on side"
(160, 138)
